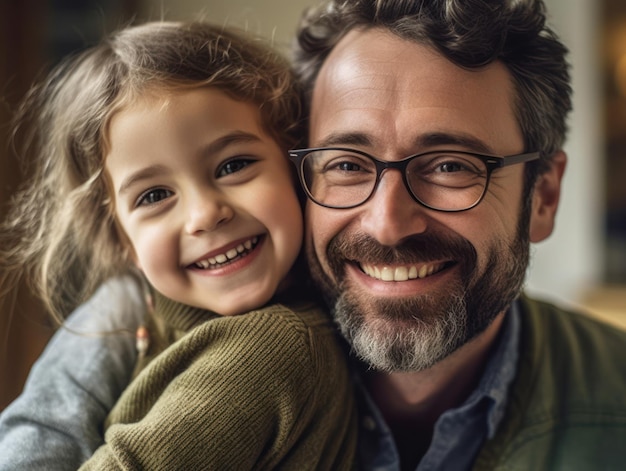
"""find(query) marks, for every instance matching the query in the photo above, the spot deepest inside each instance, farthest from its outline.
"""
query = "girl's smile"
(226, 256)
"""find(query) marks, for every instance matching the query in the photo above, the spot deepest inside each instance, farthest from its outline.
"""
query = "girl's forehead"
(185, 119)
(161, 95)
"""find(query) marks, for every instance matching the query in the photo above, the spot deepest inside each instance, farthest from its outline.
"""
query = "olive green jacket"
(567, 407)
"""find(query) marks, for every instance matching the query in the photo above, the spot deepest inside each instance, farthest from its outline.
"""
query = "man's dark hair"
(470, 33)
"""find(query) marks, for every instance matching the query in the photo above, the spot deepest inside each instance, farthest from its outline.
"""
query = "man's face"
(393, 98)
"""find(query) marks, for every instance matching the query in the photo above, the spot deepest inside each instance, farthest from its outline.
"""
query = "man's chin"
(402, 335)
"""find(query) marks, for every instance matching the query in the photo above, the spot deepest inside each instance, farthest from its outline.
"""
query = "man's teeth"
(411, 272)
(233, 253)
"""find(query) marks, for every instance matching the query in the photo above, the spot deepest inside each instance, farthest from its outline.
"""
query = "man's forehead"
(379, 60)
(374, 78)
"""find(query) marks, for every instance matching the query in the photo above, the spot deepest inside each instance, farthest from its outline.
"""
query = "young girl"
(164, 149)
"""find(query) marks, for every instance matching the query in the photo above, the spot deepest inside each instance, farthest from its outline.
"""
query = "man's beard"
(413, 334)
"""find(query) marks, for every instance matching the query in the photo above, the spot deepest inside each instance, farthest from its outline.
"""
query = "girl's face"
(206, 198)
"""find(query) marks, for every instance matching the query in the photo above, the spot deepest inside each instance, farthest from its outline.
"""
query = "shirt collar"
(500, 371)
(377, 448)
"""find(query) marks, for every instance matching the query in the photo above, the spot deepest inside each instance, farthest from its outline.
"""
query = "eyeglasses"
(442, 180)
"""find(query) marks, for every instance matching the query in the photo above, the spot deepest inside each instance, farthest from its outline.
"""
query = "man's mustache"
(419, 248)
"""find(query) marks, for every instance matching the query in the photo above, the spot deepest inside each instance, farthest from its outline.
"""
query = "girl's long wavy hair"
(60, 234)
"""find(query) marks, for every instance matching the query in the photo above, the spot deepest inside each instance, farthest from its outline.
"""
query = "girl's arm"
(56, 423)
(265, 390)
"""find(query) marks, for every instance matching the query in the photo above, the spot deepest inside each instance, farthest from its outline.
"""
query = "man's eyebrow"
(466, 141)
(346, 139)
(425, 141)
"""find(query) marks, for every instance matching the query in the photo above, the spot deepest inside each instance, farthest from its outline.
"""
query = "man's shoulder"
(570, 335)
(567, 405)
(572, 357)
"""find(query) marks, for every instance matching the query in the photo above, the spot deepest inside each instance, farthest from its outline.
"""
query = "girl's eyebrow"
(234, 137)
(142, 174)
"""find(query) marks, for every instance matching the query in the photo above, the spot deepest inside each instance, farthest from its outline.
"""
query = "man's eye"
(347, 167)
(153, 196)
(450, 167)
(233, 166)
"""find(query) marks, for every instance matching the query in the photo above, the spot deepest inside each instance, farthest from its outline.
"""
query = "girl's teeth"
(230, 255)
(221, 258)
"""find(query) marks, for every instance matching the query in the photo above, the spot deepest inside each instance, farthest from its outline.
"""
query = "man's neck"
(411, 402)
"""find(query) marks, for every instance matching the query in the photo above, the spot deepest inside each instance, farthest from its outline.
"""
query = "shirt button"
(369, 423)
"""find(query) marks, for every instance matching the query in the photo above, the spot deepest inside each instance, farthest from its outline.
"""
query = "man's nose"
(206, 211)
(391, 214)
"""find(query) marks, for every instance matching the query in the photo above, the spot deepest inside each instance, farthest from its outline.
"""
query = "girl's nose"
(206, 213)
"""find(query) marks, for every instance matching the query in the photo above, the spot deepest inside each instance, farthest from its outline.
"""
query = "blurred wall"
(34, 35)
(571, 262)
(274, 19)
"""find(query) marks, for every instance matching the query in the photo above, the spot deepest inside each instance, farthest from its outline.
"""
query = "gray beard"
(416, 333)
(415, 346)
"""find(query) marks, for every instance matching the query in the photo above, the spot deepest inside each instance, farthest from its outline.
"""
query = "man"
(434, 159)
(462, 372)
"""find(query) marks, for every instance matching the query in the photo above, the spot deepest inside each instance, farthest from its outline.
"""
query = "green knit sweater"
(269, 389)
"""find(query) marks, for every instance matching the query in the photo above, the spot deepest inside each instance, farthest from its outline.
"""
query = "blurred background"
(582, 264)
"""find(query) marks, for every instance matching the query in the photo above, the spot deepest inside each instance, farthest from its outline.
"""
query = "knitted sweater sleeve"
(246, 392)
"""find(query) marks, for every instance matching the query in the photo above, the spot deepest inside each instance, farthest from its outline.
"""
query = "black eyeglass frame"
(492, 162)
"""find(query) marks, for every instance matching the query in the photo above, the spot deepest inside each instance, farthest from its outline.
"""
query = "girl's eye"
(153, 196)
(233, 166)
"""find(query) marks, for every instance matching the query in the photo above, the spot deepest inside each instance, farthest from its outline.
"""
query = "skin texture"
(393, 98)
(196, 176)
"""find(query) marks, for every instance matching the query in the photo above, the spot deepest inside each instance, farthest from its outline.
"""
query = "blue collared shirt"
(458, 433)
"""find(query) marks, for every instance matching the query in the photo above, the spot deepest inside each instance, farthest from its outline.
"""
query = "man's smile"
(401, 273)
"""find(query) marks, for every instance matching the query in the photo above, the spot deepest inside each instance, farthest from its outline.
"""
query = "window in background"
(35, 35)
(614, 68)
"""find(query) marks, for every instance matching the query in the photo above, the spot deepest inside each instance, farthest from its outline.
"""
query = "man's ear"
(546, 194)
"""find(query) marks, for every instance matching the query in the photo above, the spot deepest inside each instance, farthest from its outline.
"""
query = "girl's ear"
(546, 194)
(129, 254)
(133, 256)
(129, 251)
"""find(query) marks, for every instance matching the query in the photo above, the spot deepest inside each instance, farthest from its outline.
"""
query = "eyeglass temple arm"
(518, 159)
